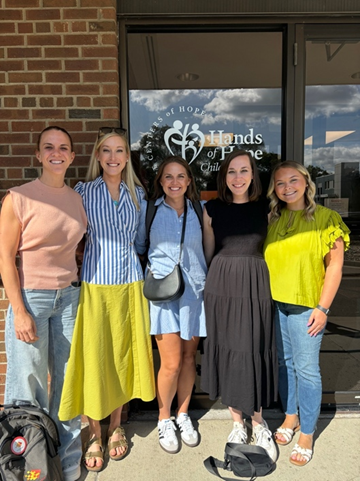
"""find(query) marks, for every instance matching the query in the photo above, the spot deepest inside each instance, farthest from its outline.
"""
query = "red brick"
(11, 40)
(22, 3)
(45, 89)
(84, 137)
(8, 28)
(61, 27)
(2, 78)
(15, 161)
(110, 89)
(43, 14)
(2, 53)
(62, 77)
(14, 114)
(102, 26)
(25, 27)
(100, 52)
(24, 52)
(61, 52)
(95, 3)
(63, 3)
(108, 13)
(80, 64)
(15, 138)
(22, 149)
(10, 14)
(79, 26)
(7, 65)
(64, 102)
(106, 101)
(84, 39)
(100, 77)
(108, 39)
(3, 128)
(43, 65)
(109, 64)
(81, 13)
(81, 89)
(11, 102)
(49, 114)
(12, 89)
(83, 160)
(26, 77)
(42, 27)
(3, 368)
(14, 174)
(4, 149)
(27, 126)
(94, 125)
(8, 184)
(111, 113)
(83, 102)
(44, 40)
(28, 102)
(47, 102)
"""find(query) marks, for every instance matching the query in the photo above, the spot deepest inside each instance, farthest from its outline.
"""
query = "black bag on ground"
(243, 460)
(29, 443)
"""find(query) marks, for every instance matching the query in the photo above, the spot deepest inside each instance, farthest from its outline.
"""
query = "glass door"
(199, 95)
(332, 155)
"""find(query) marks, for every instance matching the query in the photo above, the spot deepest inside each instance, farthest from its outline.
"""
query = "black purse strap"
(183, 229)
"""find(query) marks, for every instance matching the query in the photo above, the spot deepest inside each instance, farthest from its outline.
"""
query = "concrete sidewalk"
(336, 452)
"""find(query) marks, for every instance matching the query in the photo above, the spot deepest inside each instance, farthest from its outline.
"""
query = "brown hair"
(224, 193)
(54, 127)
(191, 192)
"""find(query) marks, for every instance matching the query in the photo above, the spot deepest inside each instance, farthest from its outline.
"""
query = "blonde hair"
(276, 205)
(128, 175)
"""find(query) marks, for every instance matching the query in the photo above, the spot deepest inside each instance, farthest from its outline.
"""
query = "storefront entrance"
(282, 91)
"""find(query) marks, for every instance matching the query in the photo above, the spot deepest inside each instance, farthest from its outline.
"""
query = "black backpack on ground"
(29, 443)
(243, 460)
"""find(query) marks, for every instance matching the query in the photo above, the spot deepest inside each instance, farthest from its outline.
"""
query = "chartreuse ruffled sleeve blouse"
(294, 251)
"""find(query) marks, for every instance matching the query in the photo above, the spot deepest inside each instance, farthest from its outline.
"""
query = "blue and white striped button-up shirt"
(110, 256)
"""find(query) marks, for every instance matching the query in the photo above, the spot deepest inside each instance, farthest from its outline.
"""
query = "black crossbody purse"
(170, 287)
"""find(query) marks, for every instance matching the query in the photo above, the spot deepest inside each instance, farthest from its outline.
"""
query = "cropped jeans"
(28, 365)
(299, 370)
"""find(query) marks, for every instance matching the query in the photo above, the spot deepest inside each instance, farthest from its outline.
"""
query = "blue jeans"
(299, 370)
(54, 312)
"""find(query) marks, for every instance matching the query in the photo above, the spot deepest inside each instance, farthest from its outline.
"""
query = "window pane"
(201, 95)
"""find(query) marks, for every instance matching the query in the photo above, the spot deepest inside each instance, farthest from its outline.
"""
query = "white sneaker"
(188, 434)
(264, 439)
(238, 434)
(167, 437)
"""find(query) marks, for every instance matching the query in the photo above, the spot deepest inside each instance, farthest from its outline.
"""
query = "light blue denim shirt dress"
(185, 315)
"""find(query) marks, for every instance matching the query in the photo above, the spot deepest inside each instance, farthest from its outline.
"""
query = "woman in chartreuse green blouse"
(304, 251)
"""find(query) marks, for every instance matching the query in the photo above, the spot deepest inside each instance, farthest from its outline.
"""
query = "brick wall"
(58, 65)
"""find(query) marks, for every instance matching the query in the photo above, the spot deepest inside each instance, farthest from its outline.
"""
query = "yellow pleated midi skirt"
(111, 359)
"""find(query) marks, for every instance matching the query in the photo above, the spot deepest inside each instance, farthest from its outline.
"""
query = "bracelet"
(323, 309)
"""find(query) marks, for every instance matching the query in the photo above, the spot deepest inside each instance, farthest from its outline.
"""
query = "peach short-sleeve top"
(53, 221)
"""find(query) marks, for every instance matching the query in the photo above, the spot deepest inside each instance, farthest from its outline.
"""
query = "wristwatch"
(323, 309)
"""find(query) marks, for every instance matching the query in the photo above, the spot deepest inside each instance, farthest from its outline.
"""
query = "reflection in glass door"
(200, 95)
(332, 155)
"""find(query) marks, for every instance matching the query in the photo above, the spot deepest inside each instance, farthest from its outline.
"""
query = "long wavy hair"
(276, 205)
(127, 175)
(191, 192)
(224, 193)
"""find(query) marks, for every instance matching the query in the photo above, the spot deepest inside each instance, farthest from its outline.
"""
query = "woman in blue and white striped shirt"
(111, 356)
